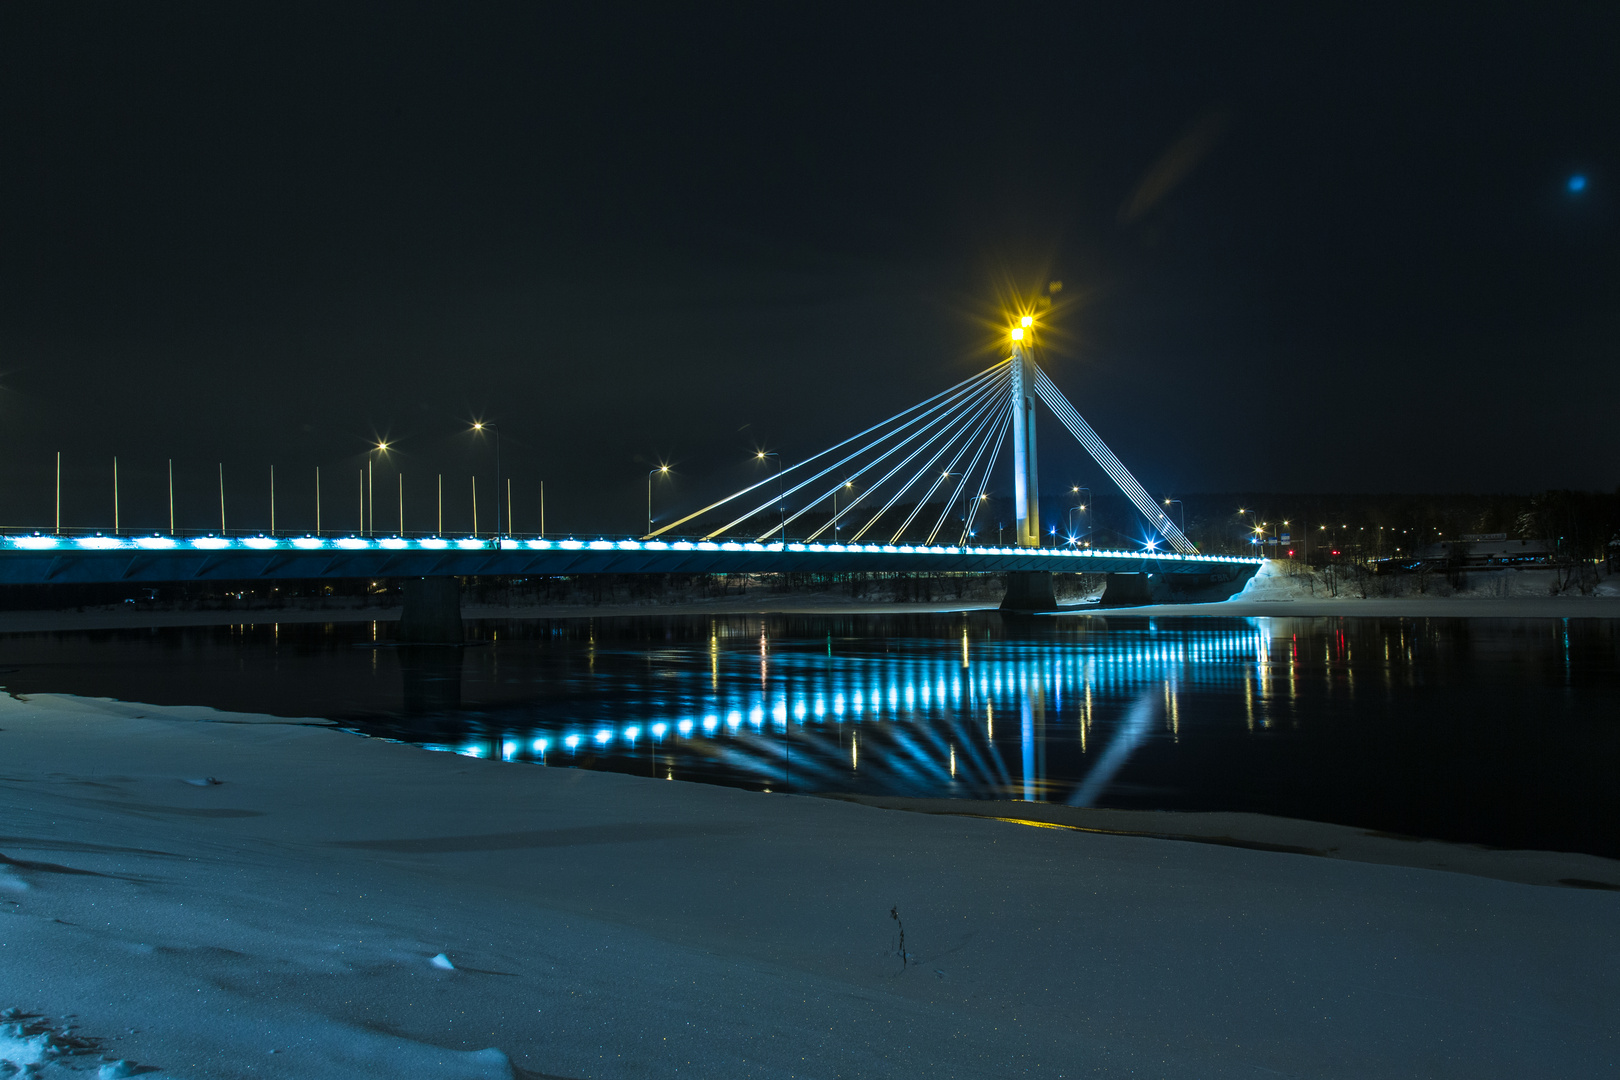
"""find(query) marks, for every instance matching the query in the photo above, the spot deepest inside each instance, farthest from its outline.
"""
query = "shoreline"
(1292, 836)
(1468, 607)
(251, 896)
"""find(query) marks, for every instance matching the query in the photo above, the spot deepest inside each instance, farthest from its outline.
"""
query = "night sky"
(1310, 250)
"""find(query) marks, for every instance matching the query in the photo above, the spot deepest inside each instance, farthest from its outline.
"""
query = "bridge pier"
(1029, 590)
(430, 612)
(1127, 590)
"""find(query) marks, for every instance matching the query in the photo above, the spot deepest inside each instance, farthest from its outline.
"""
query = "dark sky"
(1304, 248)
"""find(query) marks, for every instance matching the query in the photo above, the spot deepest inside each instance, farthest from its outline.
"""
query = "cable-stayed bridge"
(909, 491)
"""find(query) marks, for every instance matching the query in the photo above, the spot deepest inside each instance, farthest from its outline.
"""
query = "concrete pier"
(1029, 590)
(431, 611)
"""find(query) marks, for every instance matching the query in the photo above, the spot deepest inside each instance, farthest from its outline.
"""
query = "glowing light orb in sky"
(1577, 184)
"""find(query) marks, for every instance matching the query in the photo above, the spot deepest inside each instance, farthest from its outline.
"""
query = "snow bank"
(284, 922)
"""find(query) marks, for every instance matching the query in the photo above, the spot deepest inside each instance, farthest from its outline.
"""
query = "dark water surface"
(1504, 732)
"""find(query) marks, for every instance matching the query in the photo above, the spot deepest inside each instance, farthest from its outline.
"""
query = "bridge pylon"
(1026, 490)
(1029, 590)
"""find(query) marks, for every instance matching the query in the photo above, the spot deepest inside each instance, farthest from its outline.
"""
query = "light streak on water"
(931, 708)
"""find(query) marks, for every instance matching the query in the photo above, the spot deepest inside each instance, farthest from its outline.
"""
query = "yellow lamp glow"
(1018, 333)
(1027, 320)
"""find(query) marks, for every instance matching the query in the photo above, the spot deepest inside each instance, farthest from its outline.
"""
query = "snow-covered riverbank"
(247, 897)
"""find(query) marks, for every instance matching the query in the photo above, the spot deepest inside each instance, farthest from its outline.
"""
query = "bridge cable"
(988, 393)
(981, 376)
(1116, 470)
(989, 468)
(978, 438)
(986, 388)
(997, 423)
(983, 406)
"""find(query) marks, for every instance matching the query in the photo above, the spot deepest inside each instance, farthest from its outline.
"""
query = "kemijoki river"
(1497, 731)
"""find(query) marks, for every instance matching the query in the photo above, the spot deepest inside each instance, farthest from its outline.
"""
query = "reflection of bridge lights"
(602, 737)
(658, 730)
(684, 727)
(507, 750)
(632, 734)
(756, 717)
(540, 745)
(572, 742)
(710, 723)
(779, 714)
(733, 719)
(798, 710)
(471, 751)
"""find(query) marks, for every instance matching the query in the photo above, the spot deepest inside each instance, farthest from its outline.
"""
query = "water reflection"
(1501, 731)
(773, 712)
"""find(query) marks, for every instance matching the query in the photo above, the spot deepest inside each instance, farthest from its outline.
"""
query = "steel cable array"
(1115, 469)
(968, 422)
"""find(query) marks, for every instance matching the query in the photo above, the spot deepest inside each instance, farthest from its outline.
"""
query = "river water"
(1496, 731)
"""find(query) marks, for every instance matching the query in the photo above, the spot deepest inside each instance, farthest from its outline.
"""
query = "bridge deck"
(46, 560)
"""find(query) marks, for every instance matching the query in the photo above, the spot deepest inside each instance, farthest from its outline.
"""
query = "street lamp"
(478, 428)
(662, 470)
(1177, 502)
(849, 485)
(1076, 490)
(381, 449)
(761, 455)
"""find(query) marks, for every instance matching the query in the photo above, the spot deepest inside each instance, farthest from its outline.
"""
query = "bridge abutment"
(431, 611)
(1029, 590)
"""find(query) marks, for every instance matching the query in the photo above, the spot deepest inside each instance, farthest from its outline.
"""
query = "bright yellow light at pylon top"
(1027, 320)
(1018, 333)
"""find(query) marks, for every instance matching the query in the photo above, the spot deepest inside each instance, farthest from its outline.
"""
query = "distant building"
(1486, 549)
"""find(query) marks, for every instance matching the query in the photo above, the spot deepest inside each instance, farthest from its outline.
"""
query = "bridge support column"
(1029, 590)
(1026, 492)
(431, 611)
(1127, 590)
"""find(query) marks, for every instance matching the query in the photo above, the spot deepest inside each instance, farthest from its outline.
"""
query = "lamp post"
(478, 427)
(370, 516)
(1177, 502)
(662, 470)
(781, 510)
(1085, 500)
(849, 485)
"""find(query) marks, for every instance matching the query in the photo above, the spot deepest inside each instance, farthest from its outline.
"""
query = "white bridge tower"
(1026, 493)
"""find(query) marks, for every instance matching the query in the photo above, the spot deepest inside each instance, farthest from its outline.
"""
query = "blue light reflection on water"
(930, 709)
(1496, 731)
